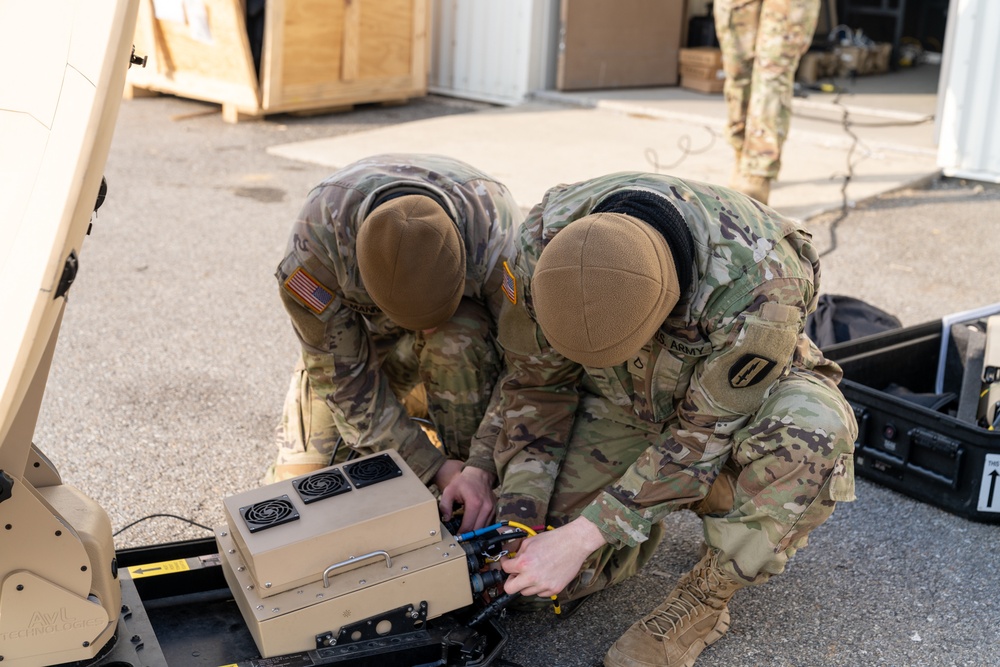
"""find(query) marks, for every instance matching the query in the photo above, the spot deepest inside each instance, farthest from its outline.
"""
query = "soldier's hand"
(446, 473)
(547, 563)
(472, 489)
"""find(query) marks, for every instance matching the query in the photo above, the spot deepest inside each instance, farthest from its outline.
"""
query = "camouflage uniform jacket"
(711, 364)
(320, 272)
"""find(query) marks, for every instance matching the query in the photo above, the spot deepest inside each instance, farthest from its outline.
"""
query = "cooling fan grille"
(322, 485)
(372, 470)
(269, 513)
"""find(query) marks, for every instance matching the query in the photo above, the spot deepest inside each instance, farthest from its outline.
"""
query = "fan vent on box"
(269, 513)
(322, 485)
(372, 470)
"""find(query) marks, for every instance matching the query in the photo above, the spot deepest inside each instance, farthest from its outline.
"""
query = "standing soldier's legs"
(736, 27)
(784, 33)
(459, 364)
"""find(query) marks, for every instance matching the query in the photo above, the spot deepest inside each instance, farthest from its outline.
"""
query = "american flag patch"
(308, 290)
(509, 284)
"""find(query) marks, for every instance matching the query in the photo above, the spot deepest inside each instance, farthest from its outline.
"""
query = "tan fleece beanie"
(412, 261)
(602, 287)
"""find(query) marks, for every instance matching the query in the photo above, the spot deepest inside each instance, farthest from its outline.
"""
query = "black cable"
(847, 123)
(684, 144)
(169, 516)
(488, 542)
(842, 214)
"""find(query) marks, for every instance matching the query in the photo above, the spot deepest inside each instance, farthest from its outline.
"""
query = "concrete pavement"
(883, 141)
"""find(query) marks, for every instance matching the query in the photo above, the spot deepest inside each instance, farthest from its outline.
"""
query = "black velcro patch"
(749, 370)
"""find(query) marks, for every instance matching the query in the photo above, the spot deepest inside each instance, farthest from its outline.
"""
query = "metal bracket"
(137, 60)
(6, 486)
(395, 622)
(68, 275)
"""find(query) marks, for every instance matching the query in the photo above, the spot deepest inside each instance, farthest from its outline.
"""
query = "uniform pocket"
(842, 479)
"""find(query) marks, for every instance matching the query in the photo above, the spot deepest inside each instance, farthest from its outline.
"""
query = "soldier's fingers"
(468, 519)
(477, 510)
(484, 514)
(446, 503)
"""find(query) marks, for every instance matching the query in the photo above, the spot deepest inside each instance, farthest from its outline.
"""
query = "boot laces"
(689, 601)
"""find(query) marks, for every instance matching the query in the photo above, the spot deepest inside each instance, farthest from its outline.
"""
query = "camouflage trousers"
(782, 479)
(762, 42)
(446, 376)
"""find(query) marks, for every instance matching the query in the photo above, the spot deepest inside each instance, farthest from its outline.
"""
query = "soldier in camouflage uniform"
(762, 42)
(393, 278)
(654, 350)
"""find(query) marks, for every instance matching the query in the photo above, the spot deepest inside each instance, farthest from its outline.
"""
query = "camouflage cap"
(602, 287)
(412, 261)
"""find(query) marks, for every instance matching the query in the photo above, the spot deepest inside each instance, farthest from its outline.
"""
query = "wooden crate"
(317, 55)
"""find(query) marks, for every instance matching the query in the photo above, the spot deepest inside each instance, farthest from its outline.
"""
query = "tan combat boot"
(758, 187)
(675, 633)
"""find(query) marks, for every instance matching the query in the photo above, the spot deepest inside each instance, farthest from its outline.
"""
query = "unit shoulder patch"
(749, 370)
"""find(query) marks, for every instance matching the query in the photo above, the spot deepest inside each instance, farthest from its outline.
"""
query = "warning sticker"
(154, 569)
(989, 490)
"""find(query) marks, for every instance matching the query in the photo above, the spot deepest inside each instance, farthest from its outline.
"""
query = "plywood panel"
(386, 37)
(312, 42)
(224, 57)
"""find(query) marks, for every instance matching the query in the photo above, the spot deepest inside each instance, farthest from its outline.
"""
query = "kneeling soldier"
(393, 280)
(655, 351)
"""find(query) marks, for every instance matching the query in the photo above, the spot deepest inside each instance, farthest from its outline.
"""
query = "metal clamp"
(352, 560)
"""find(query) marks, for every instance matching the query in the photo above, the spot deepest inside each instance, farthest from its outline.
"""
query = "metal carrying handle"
(352, 560)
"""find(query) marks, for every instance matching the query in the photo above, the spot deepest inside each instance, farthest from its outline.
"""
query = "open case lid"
(62, 72)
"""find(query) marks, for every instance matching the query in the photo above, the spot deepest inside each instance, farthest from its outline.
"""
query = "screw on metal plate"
(267, 584)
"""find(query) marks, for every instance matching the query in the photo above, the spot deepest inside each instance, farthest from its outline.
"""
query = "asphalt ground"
(175, 354)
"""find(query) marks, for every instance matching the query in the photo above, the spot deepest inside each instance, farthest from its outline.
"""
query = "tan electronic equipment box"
(308, 557)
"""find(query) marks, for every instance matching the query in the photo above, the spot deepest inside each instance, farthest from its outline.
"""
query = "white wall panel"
(969, 95)
(490, 50)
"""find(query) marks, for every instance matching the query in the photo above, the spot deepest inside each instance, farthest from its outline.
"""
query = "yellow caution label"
(155, 569)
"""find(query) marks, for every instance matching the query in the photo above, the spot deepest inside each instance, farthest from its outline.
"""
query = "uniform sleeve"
(538, 404)
(537, 399)
(753, 340)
